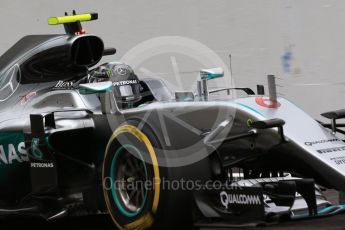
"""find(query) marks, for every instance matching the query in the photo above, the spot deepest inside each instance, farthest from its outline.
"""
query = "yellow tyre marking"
(146, 220)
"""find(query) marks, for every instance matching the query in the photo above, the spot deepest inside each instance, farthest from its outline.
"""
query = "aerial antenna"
(74, 27)
(272, 89)
(230, 66)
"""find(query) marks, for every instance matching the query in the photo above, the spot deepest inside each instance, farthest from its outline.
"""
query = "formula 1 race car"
(78, 141)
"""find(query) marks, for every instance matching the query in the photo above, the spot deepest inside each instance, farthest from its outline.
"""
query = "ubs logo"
(10, 82)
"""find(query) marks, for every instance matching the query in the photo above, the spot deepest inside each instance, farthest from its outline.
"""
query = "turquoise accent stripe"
(36, 152)
(114, 187)
(250, 108)
(109, 89)
(330, 210)
(47, 142)
(89, 91)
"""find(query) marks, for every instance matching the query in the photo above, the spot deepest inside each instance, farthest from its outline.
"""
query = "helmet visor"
(126, 91)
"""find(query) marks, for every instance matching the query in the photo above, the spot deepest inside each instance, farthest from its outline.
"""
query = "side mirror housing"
(184, 96)
(271, 123)
(98, 87)
(337, 114)
(334, 115)
(267, 124)
(205, 75)
(208, 74)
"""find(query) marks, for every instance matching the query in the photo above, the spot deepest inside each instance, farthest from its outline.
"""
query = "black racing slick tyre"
(133, 182)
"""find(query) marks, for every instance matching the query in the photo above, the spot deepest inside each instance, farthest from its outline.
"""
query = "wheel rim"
(129, 174)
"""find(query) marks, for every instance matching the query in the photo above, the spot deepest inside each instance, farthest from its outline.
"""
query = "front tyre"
(131, 178)
(133, 181)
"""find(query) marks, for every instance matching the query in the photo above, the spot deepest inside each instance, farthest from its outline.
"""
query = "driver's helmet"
(126, 85)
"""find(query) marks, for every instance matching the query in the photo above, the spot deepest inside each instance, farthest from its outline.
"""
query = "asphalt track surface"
(105, 222)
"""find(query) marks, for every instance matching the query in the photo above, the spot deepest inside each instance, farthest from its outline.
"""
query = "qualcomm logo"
(242, 199)
(311, 143)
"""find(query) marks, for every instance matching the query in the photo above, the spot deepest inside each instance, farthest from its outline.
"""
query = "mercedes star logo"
(121, 71)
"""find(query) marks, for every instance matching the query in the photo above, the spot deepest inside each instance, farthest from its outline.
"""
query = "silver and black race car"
(77, 139)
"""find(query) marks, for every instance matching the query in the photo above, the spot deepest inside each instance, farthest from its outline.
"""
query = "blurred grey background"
(300, 41)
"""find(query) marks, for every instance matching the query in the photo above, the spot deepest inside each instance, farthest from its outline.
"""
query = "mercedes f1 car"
(77, 140)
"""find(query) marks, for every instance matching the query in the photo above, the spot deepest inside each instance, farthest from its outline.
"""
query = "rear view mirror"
(98, 87)
(184, 96)
(208, 74)
(205, 75)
